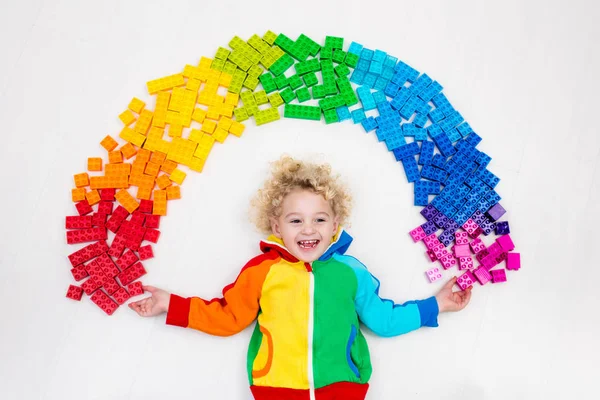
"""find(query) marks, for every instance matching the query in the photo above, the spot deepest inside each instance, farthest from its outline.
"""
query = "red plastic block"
(131, 274)
(135, 288)
(83, 207)
(86, 235)
(78, 222)
(152, 235)
(107, 194)
(105, 207)
(94, 269)
(74, 292)
(88, 252)
(116, 219)
(127, 259)
(99, 220)
(146, 252)
(146, 206)
(121, 295)
(137, 218)
(108, 266)
(498, 275)
(110, 285)
(117, 246)
(91, 285)
(513, 261)
(152, 221)
(79, 272)
(102, 300)
(465, 280)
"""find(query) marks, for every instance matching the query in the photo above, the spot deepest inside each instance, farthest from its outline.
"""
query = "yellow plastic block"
(214, 112)
(175, 130)
(143, 155)
(160, 110)
(270, 37)
(109, 182)
(81, 180)
(144, 193)
(208, 126)
(136, 105)
(173, 192)
(197, 164)
(168, 166)
(226, 110)
(275, 99)
(177, 176)
(193, 84)
(77, 194)
(143, 122)
(109, 143)
(225, 80)
(232, 99)
(132, 136)
(158, 157)
(115, 157)
(199, 115)
(160, 202)
(156, 132)
(126, 200)
(165, 83)
(205, 62)
(127, 117)
(118, 169)
(163, 181)
(204, 146)
(152, 169)
(142, 180)
(225, 123)
(153, 144)
(181, 150)
(93, 197)
(94, 164)
(236, 128)
(220, 135)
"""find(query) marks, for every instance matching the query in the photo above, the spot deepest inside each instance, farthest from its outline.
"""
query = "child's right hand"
(154, 305)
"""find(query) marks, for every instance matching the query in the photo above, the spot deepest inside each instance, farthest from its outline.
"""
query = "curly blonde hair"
(288, 174)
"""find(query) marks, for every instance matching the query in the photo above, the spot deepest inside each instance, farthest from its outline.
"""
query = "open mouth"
(308, 244)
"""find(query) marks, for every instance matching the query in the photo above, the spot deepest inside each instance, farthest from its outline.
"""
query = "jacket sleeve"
(382, 316)
(229, 314)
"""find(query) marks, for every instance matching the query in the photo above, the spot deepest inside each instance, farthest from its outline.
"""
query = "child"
(308, 296)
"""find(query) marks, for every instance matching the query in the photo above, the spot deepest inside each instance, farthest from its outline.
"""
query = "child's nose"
(308, 227)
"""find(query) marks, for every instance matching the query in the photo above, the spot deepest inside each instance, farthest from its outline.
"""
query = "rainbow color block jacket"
(307, 334)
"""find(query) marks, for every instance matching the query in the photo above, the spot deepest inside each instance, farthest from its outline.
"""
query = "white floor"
(524, 74)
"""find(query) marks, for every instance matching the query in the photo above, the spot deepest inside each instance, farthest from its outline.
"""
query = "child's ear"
(336, 224)
(275, 227)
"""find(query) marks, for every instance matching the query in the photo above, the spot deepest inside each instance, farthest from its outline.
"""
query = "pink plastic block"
(146, 252)
(477, 232)
(431, 255)
(494, 249)
(74, 292)
(433, 274)
(470, 226)
(461, 237)
(465, 280)
(477, 245)
(513, 261)
(483, 275)
(135, 289)
(506, 243)
(417, 234)
(462, 250)
(465, 263)
(447, 260)
(498, 275)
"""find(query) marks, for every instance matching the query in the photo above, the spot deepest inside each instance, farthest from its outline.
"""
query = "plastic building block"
(462, 250)
(429, 212)
(287, 95)
(513, 261)
(115, 157)
(146, 252)
(433, 274)
(132, 273)
(343, 113)
(429, 228)
(303, 94)
(465, 263)
(302, 112)
(87, 253)
(86, 235)
(502, 228)
(102, 300)
(358, 115)
(470, 226)
(496, 212)
(447, 259)
(506, 243)
(126, 200)
(74, 292)
(78, 222)
(462, 238)
(152, 221)
(152, 235)
(411, 168)
(135, 289)
(81, 180)
(498, 275)
(477, 246)
(77, 194)
(173, 192)
(417, 234)
(482, 275)
(431, 255)
(330, 116)
(465, 280)
(177, 176)
(127, 259)
(91, 285)
(109, 143)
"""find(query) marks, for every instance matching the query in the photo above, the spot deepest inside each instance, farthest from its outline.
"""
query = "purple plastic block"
(488, 227)
(462, 237)
(482, 275)
(478, 218)
(465, 263)
(513, 261)
(417, 234)
(429, 227)
(502, 228)
(498, 275)
(465, 280)
(462, 250)
(496, 212)
(433, 274)
(440, 220)
(429, 212)
(446, 237)
(506, 243)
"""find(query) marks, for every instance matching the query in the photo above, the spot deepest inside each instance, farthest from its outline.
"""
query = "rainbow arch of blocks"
(201, 106)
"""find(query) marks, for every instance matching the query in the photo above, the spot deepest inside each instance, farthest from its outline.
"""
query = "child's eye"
(295, 221)
(321, 220)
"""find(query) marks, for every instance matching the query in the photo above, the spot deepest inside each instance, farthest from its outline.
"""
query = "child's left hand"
(452, 301)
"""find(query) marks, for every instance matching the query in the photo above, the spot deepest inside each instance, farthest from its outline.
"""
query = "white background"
(524, 75)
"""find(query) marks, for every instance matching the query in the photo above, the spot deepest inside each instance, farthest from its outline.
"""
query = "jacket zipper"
(311, 304)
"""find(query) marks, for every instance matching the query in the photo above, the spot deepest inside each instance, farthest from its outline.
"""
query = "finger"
(149, 288)
(450, 283)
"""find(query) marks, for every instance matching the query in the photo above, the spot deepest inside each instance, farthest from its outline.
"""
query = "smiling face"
(306, 224)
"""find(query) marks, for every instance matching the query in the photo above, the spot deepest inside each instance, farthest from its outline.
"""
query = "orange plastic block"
(160, 202)
(127, 117)
(152, 169)
(144, 193)
(126, 200)
(128, 151)
(175, 130)
(77, 194)
(115, 157)
(118, 169)
(178, 176)
(167, 82)
(143, 122)
(173, 192)
(158, 157)
(109, 143)
(163, 181)
(81, 180)
(109, 182)
(236, 128)
(143, 181)
(136, 105)
(220, 135)
(143, 155)
(138, 166)
(208, 126)
(94, 164)
(168, 166)
(93, 197)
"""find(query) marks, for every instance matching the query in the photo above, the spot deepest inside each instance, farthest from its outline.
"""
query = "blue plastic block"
(376, 67)
(430, 91)
(369, 124)
(358, 115)
(385, 109)
(367, 54)
(433, 173)
(363, 65)
(394, 140)
(420, 134)
(473, 138)
(428, 186)
(421, 83)
(355, 48)
(380, 83)
(439, 161)
(387, 73)
(379, 97)
(370, 80)
(379, 56)
(366, 98)
(426, 152)
(399, 78)
(409, 108)
(420, 120)
(411, 169)
(464, 129)
(436, 115)
(443, 144)
(343, 113)
(401, 98)
(382, 134)
(451, 121)
(410, 149)
(440, 99)
(421, 199)
(483, 159)
(391, 89)
(357, 76)
(390, 61)
(490, 179)
(409, 130)
(453, 135)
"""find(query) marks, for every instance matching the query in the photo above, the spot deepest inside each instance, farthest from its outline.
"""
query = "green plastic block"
(338, 56)
(237, 81)
(247, 97)
(265, 116)
(318, 92)
(255, 71)
(281, 81)
(350, 98)
(261, 97)
(259, 45)
(307, 66)
(229, 67)
(287, 95)
(310, 79)
(240, 60)
(330, 116)
(342, 70)
(332, 102)
(285, 43)
(303, 94)
(295, 81)
(275, 99)
(302, 112)
(330, 88)
(222, 53)
(300, 51)
(217, 64)
(281, 65)
(251, 82)
(351, 60)
(240, 114)
(269, 37)
(314, 47)
(268, 82)
(334, 42)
